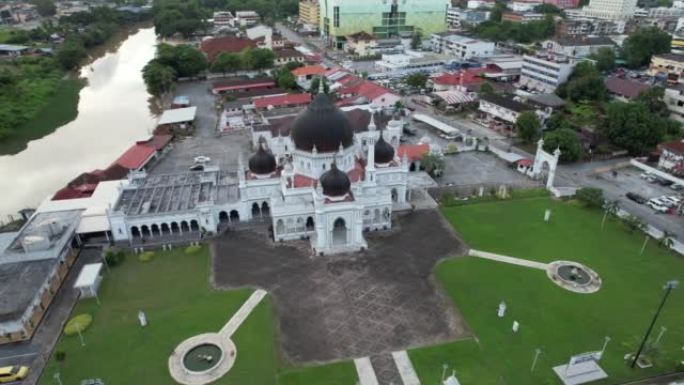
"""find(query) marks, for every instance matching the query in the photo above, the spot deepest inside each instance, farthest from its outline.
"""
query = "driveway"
(346, 306)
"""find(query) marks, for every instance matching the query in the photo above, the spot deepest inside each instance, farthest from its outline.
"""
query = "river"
(113, 113)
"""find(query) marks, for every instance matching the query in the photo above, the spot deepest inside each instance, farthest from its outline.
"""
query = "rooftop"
(506, 102)
(213, 47)
(670, 56)
(625, 87)
(582, 41)
(283, 100)
(178, 115)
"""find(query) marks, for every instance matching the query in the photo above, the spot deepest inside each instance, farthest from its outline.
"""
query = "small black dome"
(335, 182)
(322, 125)
(262, 162)
(384, 152)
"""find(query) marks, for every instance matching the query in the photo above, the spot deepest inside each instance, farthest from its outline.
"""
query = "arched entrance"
(155, 230)
(165, 229)
(280, 227)
(339, 233)
(412, 167)
(309, 224)
(194, 226)
(174, 228)
(265, 210)
(544, 172)
(223, 217)
(395, 195)
(256, 212)
(135, 232)
(184, 226)
(234, 216)
(145, 231)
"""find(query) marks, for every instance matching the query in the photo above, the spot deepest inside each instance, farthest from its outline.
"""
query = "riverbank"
(59, 108)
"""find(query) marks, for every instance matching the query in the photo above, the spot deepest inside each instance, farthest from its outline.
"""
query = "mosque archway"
(310, 224)
(234, 216)
(339, 233)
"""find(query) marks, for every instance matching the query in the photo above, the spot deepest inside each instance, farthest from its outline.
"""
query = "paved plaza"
(339, 307)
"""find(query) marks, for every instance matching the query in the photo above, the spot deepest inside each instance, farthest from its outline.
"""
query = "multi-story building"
(671, 156)
(461, 46)
(360, 44)
(524, 6)
(502, 108)
(579, 47)
(309, 12)
(458, 18)
(410, 62)
(223, 19)
(545, 71)
(587, 26)
(246, 18)
(670, 65)
(674, 99)
(522, 17)
(381, 18)
(610, 9)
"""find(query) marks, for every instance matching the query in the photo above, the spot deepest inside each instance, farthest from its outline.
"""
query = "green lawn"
(58, 108)
(559, 322)
(173, 290)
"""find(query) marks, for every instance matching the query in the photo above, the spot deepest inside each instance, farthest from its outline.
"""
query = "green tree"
(433, 164)
(315, 83)
(159, 78)
(486, 88)
(286, 80)
(652, 98)
(497, 11)
(416, 40)
(590, 197)
(70, 54)
(585, 83)
(643, 43)
(258, 58)
(45, 8)
(566, 140)
(548, 9)
(226, 62)
(528, 126)
(666, 240)
(186, 60)
(605, 59)
(633, 127)
(417, 79)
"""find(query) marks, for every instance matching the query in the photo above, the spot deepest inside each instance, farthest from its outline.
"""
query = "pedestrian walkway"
(244, 311)
(365, 371)
(386, 370)
(405, 368)
(507, 259)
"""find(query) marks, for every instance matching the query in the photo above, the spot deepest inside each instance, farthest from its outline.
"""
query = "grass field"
(173, 290)
(57, 109)
(557, 321)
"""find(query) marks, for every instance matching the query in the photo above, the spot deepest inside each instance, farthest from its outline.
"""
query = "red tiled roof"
(524, 162)
(213, 47)
(69, 193)
(283, 100)
(624, 87)
(364, 88)
(465, 77)
(309, 70)
(240, 83)
(158, 142)
(413, 151)
(135, 157)
(676, 146)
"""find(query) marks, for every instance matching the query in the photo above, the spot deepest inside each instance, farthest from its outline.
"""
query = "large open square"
(350, 306)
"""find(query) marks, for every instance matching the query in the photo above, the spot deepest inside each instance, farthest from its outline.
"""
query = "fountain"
(202, 358)
(574, 276)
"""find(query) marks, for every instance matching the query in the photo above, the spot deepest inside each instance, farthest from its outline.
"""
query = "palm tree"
(611, 209)
(633, 223)
(667, 239)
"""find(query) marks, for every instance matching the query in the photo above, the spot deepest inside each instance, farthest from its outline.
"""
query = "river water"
(113, 112)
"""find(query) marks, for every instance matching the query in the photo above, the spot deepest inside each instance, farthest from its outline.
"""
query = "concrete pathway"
(240, 316)
(507, 259)
(386, 370)
(405, 367)
(365, 371)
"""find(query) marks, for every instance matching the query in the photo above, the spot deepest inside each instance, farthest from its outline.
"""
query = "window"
(336, 16)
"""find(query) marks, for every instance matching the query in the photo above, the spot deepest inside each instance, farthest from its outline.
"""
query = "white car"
(670, 201)
(657, 205)
(202, 159)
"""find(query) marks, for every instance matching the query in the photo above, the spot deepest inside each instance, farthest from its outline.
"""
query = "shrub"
(590, 197)
(146, 256)
(60, 356)
(78, 323)
(193, 249)
(114, 257)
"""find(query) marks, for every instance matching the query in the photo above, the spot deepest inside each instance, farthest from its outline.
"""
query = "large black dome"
(322, 125)
(262, 162)
(384, 152)
(335, 182)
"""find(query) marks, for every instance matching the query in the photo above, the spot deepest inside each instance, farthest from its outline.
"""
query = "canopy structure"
(454, 97)
(445, 128)
(178, 115)
(88, 280)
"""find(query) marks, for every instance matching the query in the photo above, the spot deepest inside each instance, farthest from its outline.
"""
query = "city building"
(578, 46)
(361, 44)
(669, 65)
(610, 9)
(381, 18)
(624, 89)
(458, 18)
(672, 157)
(524, 6)
(674, 99)
(563, 4)
(327, 188)
(410, 62)
(214, 46)
(304, 75)
(357, 91)
(522, 17)
(480, 4)
(502, 108)
(246, 18)
(588, 26)
(310, 12)
(239, 85)
(288, 55)
(223, 19)
(544, 72)
(462, 47)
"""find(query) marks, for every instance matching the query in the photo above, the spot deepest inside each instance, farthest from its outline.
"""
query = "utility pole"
(668, 288)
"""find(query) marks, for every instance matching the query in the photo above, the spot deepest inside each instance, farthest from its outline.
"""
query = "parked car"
(658, 206)
(640, 199)
(664, 182)
(202, 159)
(13, 373)
(677, 187)
(197, 167)
(670, 201)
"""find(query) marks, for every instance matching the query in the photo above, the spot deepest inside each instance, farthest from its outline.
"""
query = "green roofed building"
(382, 18)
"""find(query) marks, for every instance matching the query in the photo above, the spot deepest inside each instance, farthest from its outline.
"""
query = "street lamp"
(668, 288)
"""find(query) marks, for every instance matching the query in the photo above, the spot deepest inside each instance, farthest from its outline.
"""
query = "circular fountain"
(574, 276)
(202, 359)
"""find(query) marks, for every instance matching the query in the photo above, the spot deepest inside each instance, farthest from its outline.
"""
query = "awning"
(88, 275)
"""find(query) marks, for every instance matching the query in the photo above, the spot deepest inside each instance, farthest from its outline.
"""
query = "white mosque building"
(324, 182)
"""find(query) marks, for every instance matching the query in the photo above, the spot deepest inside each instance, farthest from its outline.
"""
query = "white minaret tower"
(370, 158)
(241, 171)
